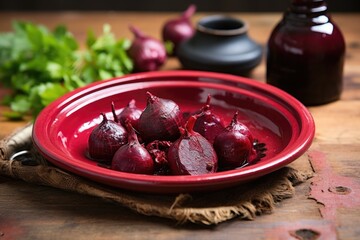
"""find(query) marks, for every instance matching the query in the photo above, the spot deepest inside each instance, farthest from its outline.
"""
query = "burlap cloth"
(19, 160)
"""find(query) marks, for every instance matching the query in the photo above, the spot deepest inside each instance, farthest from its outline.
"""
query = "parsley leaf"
(39, 65)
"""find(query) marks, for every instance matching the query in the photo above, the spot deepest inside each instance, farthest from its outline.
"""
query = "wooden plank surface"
(319, 208)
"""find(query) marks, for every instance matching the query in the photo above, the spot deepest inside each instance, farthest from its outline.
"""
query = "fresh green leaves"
(40, 66)
(169, 47)
(106, 57)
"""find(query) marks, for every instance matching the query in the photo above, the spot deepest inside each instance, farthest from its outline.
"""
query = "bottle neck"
(309, 7)
(307, 11)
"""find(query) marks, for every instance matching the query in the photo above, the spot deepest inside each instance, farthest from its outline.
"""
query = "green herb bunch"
(39, 65)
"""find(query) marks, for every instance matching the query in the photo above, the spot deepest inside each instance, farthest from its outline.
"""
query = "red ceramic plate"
(62, 129)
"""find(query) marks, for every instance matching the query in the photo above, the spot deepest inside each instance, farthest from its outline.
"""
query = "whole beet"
(234, 146)
(177, 30)
(147, 53)
(105, 139)
(208, 124)
(160, 120)
(132, 157)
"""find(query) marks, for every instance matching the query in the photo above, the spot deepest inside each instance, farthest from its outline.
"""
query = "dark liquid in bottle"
(306, 56)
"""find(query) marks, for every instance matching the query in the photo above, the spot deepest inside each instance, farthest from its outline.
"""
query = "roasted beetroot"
(234, 146)
(131, 113)
(172, 142)
(160, 120)
(208, 124)
(132, 157)
(105, 139)
(192, 154)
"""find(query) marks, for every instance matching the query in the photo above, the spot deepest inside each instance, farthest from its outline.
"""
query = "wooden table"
(327, 206)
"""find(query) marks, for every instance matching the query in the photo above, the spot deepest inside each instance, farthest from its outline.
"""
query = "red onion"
(160, 120)
(208, 124)
(177, 30)
(132, 157)
(234, 145)
(148, 53)
(105, 139)
(192, 154)
(131, 113)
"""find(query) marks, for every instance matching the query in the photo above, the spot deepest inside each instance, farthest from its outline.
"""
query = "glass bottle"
(305, 54)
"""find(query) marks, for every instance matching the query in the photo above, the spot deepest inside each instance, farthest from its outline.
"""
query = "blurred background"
(167, 5)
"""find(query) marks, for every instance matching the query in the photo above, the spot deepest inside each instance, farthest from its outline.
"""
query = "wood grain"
(36, 212)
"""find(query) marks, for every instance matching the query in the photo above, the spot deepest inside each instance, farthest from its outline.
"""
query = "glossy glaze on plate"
(61, 130)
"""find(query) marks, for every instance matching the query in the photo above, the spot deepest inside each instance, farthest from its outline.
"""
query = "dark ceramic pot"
(220, 44)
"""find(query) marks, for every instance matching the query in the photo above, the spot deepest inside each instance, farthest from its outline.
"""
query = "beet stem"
(190, 124)
(234, 120)
(207, 104)
(116, 119)
(132, 103)
(208, 99)
(104, 117)
(151, 98)
(189, 12)
(136, 32)
(132, 137)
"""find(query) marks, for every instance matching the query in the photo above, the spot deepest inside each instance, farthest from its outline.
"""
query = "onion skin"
(132, 157)
(147, 53)
(105, 139)
(192, 154)
(179, 29)
(208, 124)
(160, 120)
(234, 146)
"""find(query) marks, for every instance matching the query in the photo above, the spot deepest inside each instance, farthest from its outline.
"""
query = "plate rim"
(164, 183)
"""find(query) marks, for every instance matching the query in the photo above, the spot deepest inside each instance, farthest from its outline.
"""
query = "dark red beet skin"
(179, 29)
(236, 126)
(192, 154)
(133, 157)
(147, 53)
(131, 113)
(160, 120)
(105, 139)
(208, 124)
(234, 146)
(233, 149)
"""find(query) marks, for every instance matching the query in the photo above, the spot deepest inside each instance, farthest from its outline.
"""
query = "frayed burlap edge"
(211, 208)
